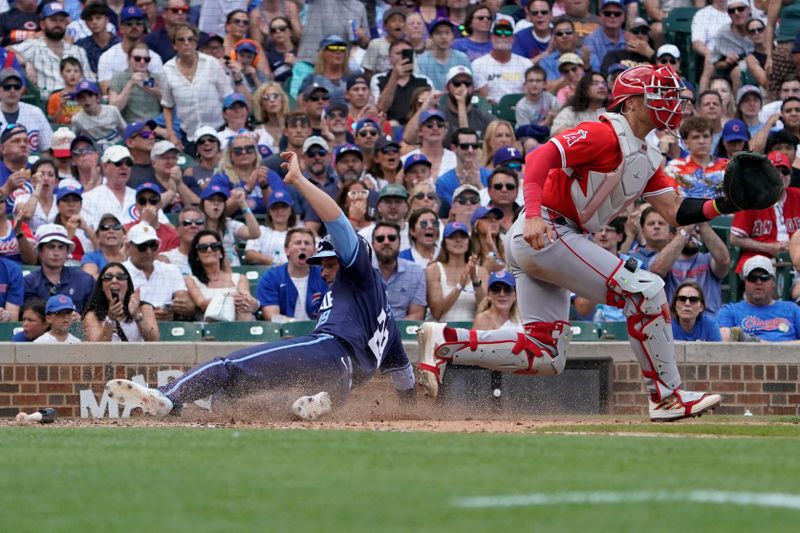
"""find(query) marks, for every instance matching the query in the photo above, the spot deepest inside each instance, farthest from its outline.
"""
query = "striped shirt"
(47, 64)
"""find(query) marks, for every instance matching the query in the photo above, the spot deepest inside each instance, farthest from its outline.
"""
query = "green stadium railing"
(256, 331)
(180, 331)
(8, 330)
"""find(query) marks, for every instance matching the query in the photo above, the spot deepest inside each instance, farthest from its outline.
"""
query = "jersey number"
(379, 339)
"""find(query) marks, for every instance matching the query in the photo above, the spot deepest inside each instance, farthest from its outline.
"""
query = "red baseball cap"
(779, 159)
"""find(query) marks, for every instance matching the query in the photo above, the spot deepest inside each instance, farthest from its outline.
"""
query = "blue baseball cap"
(331, 39)
(425, 116)
(246, 47)
(324, 249)
(53, 8)
(233, 98)
(502, 277)
(149, 186)
(215, 188)
(59, 302)
(483, 212)
(85, 86)
(453, 227)
(68, 187)
(438, 21)
(280, 197)
(416, 159)
(130, 13)
(348, 148)
(366, 122)
(735, 130)
(137, 127)
(505, 155)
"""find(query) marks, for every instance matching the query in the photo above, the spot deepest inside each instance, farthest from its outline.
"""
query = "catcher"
(575, 184)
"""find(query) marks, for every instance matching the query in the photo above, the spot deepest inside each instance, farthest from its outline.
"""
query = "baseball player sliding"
(576, 183)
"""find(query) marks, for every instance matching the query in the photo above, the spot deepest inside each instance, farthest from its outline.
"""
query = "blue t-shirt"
(96, 258)
(777, 322)
(276, 288)
(471, 48)
(527, 45)
(705, 329)
(447, 184)
(11, 283)
(362, 316)
(697, 268)
(20, 337)
(75, 283)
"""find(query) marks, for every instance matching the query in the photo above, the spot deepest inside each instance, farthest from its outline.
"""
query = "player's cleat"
(152, 401)
(312, 407)
(683, 404)
(431, 368)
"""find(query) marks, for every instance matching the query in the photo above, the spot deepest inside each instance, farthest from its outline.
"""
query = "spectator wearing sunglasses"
(334, 124)
(281, 50)
(466, 200)
(499, 308)
(367, 132)
(140, 139)
(637, 49)
(191, 220)
(759, 314)
(424, 233)
(487, 238)
(733, 44)
(533, 35)
(174, 13)
(609, 36)
(503, 190)
(392, 207)
(84, 162)
(110, 236)
(149, 202)
(54, 245)
(564, 41)
(767, 231)
(460, 89)
(404, 279)
(500, 72)
(159, 284)
(689, 322)
(392, 90)
(468, 170)
(423, 196)
(136, 91)
(116, 312)
(477, 26)
(331, 68)
(29, 116)
(100, 122)
(386, 161)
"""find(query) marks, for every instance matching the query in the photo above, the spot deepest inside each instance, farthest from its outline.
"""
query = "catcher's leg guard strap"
(541, 349)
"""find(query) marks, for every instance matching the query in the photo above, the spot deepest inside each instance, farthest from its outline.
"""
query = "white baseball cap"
(204, 131)
(53, 232)
(458, 70)
(315, 140)
(141, 233)
(756, 262)
(161, 148)
(668, 50)
(115, 154)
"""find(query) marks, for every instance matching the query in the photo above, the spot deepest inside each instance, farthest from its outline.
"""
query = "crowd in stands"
(140, 144)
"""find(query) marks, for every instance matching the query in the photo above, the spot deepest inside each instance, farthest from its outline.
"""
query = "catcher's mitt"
(751, 182)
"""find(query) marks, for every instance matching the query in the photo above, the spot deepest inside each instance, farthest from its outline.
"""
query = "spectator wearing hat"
(293, 291)
(249, 63)
(669, 55)
(268, 248)
(348, 162)
(150, 198)
(213, 45)
(786, 143)
(100, 39)
(571, 68)
(499, 308)
(537, 106)
(358, 98)
(315, 99)
(503, 190)
(281, 51)
(466, 200)
(455, 282)
(62, 141)
(115, 59)
(432, 132)
(59, 313)
(100, 122)
(54, 245)
(392, 89)
(500, 72)
(735, 138)
(12, 290)
(533, 39)
(43, 56)
(477, 26)
(14, 168)
(197, 100)
(85, 159)
(61, 106)
(437, 62)
(331, 67)
(20, 22)
(565, 41)
(136, 91)
(333, 125)
(236, 114)
(405, 280)
(140, 138)
(181, 190)
(392, 207)
(759, 314)
(468, 169)
(732, 43)
(158, 40)
(386, 161)
(366, 133)
(416, 170)
(110, 237)
(487, 238)
(316, 159)
(39, 206)
(637, 49)
(31, 117)
(700, 173)
(460, 87)
(585, 105)
(68, 201)
(768, 231)
(215, 199)
(749, 101)
(159, 284)
(609, 36)
(377, 57)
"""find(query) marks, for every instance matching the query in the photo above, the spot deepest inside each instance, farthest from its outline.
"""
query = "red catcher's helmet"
(661, 89)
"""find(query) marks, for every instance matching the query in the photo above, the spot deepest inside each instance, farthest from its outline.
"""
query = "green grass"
(185, 479)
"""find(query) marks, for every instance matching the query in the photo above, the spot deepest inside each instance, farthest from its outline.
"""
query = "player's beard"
(55, 34)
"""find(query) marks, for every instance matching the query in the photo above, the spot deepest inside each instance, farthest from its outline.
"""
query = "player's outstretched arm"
(325, 206)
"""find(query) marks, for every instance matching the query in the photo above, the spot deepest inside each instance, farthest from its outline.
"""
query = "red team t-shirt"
(762, 226)
(590, 146)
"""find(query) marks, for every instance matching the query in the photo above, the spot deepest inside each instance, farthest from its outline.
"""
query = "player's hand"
(291, 166)
(538, 233)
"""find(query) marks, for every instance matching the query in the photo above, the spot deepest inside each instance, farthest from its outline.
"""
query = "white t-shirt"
(165, 281)
(115, 60)
(270, 243)
(447, 164)
(300, 306)
(180, 260)
(101, 200)
(48, 338)
(500, 78)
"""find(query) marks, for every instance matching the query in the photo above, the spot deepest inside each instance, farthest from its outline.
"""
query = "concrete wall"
(601, 376)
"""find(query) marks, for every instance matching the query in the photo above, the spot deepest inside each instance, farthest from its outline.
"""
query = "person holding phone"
(393, 89)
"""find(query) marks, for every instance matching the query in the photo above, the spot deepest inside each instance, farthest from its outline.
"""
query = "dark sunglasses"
(297, 121)
(668, 61)
(434, 124)
(241, 150)
(753, 31)
(207, 139)
(139, 59)
(128, 162)
(752, 278)
(738, 9)
(206, 246)
(133, 22)
(687, 299)
(536, 13)
(276, 29)
(149, 245)
(119, 276)
(423, 195)
(424, 224)
(381, 238)
(640, 31)
(503, 32)
(370, 132)
(482, 17)
(460, 83)
(152, 200)
(467, 146)
(116, 226)
(146, 134)
(12, 86)
(497, 288)
(336, 48)
(195, 222)
(563, 33)
(319, 152)
(507, 186)
(464, 200)
(319, 98)
(613, 14)
(178, 10)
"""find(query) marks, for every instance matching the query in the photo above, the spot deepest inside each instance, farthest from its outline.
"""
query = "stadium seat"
(242, 331)
(8, 330)
(297, 329)
(505, 108)
(408, 329)
(173, 218)
(27, 269)
(584, 331)
(180, 331)
(614, 331)
(678, 31)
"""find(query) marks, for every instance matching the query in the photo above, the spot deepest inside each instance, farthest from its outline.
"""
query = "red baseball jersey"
(590, 146)
(762, 225)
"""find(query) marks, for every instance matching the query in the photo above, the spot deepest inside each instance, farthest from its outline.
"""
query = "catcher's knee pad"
(649, 325)
(541, 349)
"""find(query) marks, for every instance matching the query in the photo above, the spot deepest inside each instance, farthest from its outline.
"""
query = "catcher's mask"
(661, 89)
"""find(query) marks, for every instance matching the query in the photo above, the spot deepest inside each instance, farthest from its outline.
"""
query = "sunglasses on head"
(368, 131)
(119, 276)
(507, 186)
(500, 32)
(464, 200)
(468, 146)
(612, 13)
(12, 86)
(319, 98)
(434, 124)
(116, 226)
(381, 238)
(752, 278)
(195, 222)
(425, 224)
(687, 299)
(461, 83)
(241, 150)
(128, 162)
(149, 245)
(563, 33)
(319, 152)
(178, 10)
(139, 59)
(152, 200)
(206, 246)
(336, 48)
(498, 288)
(276, 29)
(737, 9)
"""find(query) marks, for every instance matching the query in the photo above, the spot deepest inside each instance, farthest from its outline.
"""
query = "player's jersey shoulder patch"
(575, 136)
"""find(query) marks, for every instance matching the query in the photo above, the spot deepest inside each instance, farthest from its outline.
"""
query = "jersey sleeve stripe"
(561, 151)
(657, 192)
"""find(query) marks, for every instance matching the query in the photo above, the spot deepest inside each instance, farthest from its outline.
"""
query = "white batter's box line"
(754, 499)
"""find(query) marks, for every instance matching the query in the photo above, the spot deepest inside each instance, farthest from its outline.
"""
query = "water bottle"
(276, 258)
(599, 319)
